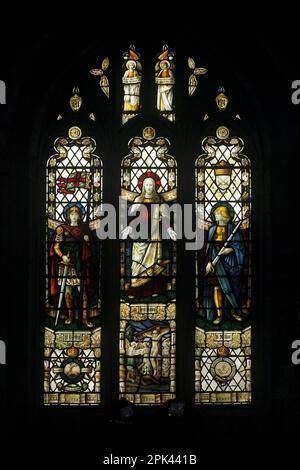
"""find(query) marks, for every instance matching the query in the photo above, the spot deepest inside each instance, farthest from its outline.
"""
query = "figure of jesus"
(148, 262)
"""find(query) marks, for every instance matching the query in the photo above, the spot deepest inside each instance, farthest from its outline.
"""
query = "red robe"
(71, 240)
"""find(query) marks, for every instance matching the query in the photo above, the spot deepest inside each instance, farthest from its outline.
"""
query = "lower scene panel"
(147, 352)
(223, 366)
(72, 367)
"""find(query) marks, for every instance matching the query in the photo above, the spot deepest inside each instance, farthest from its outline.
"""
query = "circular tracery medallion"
(223, 369)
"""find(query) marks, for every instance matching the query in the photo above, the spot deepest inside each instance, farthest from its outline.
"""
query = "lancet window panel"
(223, 272)
(148, 273)
(72, 339)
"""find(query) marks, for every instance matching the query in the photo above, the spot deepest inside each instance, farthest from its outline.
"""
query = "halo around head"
(131, 62)
(222, 204)
(149, 174)
(163, 62)
(73, 204)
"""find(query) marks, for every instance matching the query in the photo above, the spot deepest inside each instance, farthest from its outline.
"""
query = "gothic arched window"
(150, 281)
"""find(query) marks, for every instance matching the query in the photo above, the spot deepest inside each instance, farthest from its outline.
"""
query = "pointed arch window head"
(148, 259)
(148, 274)
(223, 272)
(73, 294)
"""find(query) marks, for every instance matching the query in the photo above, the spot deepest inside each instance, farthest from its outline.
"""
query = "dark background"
(256, 59)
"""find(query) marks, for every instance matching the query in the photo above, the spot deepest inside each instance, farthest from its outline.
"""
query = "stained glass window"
(223, 272)
(148, 256)
(131, 79)
(165, 81)
(73, 295)
(148, 273)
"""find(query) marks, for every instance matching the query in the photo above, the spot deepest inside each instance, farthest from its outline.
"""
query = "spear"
(218, 256)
